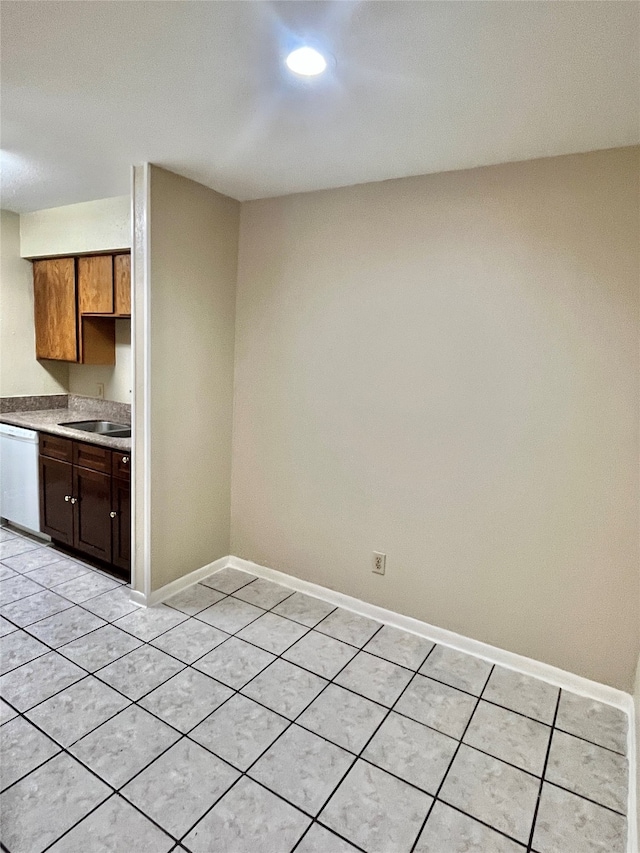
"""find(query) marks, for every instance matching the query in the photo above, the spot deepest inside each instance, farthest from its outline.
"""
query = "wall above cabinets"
(76, 302)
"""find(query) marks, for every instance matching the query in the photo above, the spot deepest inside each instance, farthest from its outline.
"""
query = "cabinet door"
(92, 520)
(56, 490)
(122, 285)
(121, 529)
(54, 291)
(95, 284)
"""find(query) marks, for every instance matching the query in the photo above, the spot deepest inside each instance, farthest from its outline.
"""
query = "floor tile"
(492, 791)
(228, 580)
(18, 545)
(122, 746)
(377, 679)
(230, 614)
(186, 699)
(450, 831)
(6, 627)
(39, 679)
(115, 827)
(521, 693)
(303, 768)
(6, 712)
(140, 671)
(321, 840)
(39, 808)
(320, 654)
(149, 622)
(413, 752)
(437, 705)
(509, 736)
(593, 721)
(399, 647)
(22, 749)
(234, 663)
(240, 731)
(376, 811)
(65, 626)
(571, 824)
(588, 769)
(348, 627)
(273, 633)
(53, 573)
(6, 573)
(263, 593)
(111, 605)
(284, 688)
(246, 820)
(97, 649)
(86, 586)
(38, 606)
(190, 640)
(18, 648)
(194, 599)
(6, 534)
(180, 786)
(15, 588)
(304, 609)
(343, 717)
(73, 713)
(457, 669)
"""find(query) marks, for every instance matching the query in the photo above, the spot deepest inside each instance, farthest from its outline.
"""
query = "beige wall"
(91, 226)
(445, 369)
(117, 380)
(20, 373)
(193, 245)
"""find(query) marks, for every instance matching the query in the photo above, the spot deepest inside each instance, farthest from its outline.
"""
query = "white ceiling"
(89, 88)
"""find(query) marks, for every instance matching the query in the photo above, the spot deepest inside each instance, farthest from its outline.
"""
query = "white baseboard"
(519, 663)
(168, 590)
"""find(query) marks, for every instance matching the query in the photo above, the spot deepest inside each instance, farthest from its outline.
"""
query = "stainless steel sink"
(108, 428)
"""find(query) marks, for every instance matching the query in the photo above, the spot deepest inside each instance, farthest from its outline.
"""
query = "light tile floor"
(243, 716)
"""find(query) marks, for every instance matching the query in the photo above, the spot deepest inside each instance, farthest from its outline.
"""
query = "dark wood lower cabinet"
(56, 490)
(85, 506)
(121, 523)
(92, 521)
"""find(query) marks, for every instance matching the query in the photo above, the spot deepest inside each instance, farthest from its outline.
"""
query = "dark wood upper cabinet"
(95, 284)
(54, 292)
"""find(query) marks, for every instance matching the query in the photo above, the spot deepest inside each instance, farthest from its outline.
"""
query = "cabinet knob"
(113, 514)
(74, 500)
(67, 498)
(125, 459)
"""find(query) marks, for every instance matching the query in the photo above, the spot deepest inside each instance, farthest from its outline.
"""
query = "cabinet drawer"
(121, 465)
(91, 456)
(55, 447)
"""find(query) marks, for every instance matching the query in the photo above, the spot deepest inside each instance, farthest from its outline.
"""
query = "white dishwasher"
(19, 476)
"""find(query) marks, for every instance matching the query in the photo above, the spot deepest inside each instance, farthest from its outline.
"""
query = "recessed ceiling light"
(306, 61)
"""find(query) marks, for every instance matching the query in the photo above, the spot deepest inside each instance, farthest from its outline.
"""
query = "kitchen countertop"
(66, 408)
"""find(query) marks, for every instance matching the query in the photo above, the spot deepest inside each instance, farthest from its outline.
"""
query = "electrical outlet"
(100, 390)
(378, 563)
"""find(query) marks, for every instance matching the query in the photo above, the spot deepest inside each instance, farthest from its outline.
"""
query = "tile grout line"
(453, 758)
(544, 770)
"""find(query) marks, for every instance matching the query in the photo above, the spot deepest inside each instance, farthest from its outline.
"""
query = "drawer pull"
(67, 497)
(74, 500)
(125, 459)
(113, 514)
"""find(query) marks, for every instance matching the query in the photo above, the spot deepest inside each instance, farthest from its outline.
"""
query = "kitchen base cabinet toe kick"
(85, 499)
